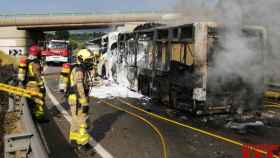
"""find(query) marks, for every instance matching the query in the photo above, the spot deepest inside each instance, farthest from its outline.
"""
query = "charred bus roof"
(186, 31)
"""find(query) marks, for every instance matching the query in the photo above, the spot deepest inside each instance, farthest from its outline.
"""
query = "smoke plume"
(235, 14)
(241, 56)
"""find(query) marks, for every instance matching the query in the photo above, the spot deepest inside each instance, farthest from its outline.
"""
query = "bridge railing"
(70, 13)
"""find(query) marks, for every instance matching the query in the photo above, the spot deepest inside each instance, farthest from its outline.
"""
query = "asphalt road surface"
(120, 135)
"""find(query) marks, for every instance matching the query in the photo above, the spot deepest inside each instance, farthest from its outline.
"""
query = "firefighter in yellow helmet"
(78, 97)
(34, 82)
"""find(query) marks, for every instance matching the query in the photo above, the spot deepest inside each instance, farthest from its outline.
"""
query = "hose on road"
(272, 104)
(228, 140)
(162, 140)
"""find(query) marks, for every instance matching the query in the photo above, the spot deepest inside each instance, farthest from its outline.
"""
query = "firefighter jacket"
(34, 72)
(79, 84)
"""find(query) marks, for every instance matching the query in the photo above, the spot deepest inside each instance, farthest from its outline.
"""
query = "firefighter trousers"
(78, 127)
(37, 104)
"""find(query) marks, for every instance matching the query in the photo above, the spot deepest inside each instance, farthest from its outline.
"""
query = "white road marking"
(97, 147)
(45, 68)
(43, 138)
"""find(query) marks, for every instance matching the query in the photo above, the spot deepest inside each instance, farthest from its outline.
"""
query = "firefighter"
(78, 97)
(34, 81)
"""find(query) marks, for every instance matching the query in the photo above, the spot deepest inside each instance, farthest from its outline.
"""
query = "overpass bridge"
(54, 21)
(16, 29)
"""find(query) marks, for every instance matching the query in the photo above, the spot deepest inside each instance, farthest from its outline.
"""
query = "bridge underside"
(69, 26)
(53, 22)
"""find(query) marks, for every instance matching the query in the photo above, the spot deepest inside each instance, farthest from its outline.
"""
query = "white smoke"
(193, 10)
(239, 57)
(267, 14)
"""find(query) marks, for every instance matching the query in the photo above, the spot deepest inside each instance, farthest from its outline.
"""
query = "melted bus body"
(172, 65)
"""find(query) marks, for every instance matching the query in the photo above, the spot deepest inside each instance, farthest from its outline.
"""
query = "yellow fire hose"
(272, 104)
(272, 94)
(194, 128)
(163, 142)
(21, 92)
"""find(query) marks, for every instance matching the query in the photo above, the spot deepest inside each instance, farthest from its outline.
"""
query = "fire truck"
(56, 51)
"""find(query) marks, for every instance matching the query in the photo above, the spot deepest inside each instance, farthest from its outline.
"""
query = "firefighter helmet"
(34, 52)
(85, 58)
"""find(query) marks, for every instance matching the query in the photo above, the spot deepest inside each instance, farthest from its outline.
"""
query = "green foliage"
(82, 45)
(62, 35)
(37, 36)
(49, 36)
(74, 44)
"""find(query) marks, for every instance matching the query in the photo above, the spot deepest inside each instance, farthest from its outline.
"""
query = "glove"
(85, 109)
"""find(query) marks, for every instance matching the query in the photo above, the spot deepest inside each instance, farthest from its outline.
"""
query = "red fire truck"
(56, 51)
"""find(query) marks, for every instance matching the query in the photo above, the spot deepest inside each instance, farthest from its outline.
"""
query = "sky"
(30, 6)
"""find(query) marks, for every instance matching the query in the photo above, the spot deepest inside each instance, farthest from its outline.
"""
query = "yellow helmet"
(96, 54)
(85, 58)
(84, 55)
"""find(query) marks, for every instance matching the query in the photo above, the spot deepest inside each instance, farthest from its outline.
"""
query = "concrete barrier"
(29, 142)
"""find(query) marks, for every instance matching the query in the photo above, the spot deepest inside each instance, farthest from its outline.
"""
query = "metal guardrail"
(38, 149)
(28, 143)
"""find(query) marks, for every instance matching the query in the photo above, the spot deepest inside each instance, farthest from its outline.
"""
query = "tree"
(74, 44)
(62, 35)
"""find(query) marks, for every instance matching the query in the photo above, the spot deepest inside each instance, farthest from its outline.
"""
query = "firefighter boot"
(39, 112)
(80, 136)
(83, 142)
(79, 140)
(74, 136)
(84, 137)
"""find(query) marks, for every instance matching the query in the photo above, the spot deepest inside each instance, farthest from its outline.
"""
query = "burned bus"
(172, 65)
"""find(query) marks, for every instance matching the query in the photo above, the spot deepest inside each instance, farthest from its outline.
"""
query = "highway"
(119, 132)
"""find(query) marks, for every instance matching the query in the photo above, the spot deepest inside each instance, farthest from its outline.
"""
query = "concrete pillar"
(14, 42)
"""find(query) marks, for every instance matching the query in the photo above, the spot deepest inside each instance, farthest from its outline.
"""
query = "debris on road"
(239, 126)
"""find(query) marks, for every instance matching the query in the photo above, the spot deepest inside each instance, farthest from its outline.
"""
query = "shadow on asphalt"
(57, 143)
(66, 105)
(103, 124)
